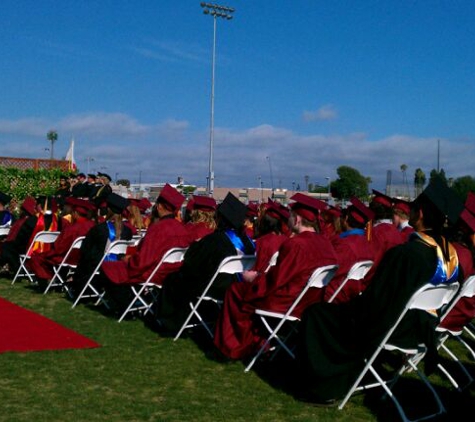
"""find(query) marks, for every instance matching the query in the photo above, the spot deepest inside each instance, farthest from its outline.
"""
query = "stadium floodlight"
(225, 12)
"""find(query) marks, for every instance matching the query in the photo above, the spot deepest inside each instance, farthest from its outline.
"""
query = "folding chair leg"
(188, 319)
(461, 366)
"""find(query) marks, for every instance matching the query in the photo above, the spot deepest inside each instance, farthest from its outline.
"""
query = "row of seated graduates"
(334, 228)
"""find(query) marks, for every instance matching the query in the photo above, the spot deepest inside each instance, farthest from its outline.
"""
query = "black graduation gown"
(200, 263)
(336, 338)
(92, 250)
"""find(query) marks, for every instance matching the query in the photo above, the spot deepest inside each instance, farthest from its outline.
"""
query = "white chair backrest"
(4, 231)
(45, 237)
(430, 297)
(466, 290)
(356, 272)
(119, 246)
(78, 242)
(272, 261)
(468, 287)
(322, 276)
(359, 270)
(174, 255)
(236, 264)
(319, 278)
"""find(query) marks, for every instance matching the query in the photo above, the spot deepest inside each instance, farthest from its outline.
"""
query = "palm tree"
(419, 180)
(52, 137)
(404, 179)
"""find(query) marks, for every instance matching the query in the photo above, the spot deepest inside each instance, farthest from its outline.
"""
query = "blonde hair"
(207, 217)
(135, 217)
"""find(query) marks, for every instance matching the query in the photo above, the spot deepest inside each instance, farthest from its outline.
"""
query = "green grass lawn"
(138, 376)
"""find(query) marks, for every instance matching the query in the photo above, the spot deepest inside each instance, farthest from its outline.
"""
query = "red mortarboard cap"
(4, 198)
(306, 206)
(403, 206)
(359, 211)
(468, 218)
(80, 205)
(116, 203)
(381, 198)
(29, 205)
(171, 196)
(142, 204)
(279, 211)
(252, 209)
(333, 211)
(444, 198)
(204, 203)
(470, 202)
(233, 211)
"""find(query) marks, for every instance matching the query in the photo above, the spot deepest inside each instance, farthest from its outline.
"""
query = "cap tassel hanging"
(369, 230)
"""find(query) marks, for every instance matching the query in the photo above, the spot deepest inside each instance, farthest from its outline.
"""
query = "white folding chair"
(357, 272)
(319, 278)
(63, 265)
(118, 247)
(466, 291)
(230, 265)
(427, 298)
(43, 237)
(142, 303)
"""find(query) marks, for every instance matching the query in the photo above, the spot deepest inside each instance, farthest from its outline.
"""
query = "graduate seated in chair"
(236, 335)
(335, 339)
(41, 264)
(201, 262)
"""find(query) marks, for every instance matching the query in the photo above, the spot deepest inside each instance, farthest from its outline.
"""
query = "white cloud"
(165, 150)
(324, 113)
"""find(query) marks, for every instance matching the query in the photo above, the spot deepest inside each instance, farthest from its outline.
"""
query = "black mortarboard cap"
(233, 211)
(444, 198)
(104, 175)
(116, 203)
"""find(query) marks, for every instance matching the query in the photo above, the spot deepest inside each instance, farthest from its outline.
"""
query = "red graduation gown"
(42, 263)
(299, 256)
(161, 236)
(197, 231)
(384, 236)
(266, 246)
(349, 250)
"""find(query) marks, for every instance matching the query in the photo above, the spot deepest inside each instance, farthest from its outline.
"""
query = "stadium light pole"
(225, 12)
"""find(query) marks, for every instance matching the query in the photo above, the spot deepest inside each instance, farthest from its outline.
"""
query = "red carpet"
(22, 330)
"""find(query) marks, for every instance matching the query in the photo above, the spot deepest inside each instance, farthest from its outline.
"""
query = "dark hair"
(352, 222)
(267, 224)
(381, 212)
(433, 218)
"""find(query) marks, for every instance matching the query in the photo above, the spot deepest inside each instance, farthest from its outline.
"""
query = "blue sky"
(313, 85)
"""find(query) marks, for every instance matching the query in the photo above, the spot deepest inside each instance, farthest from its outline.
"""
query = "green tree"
(123, 182)
(437, 174)
(419, 181)
(350, 183)
(52, 137)
(463, 185)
